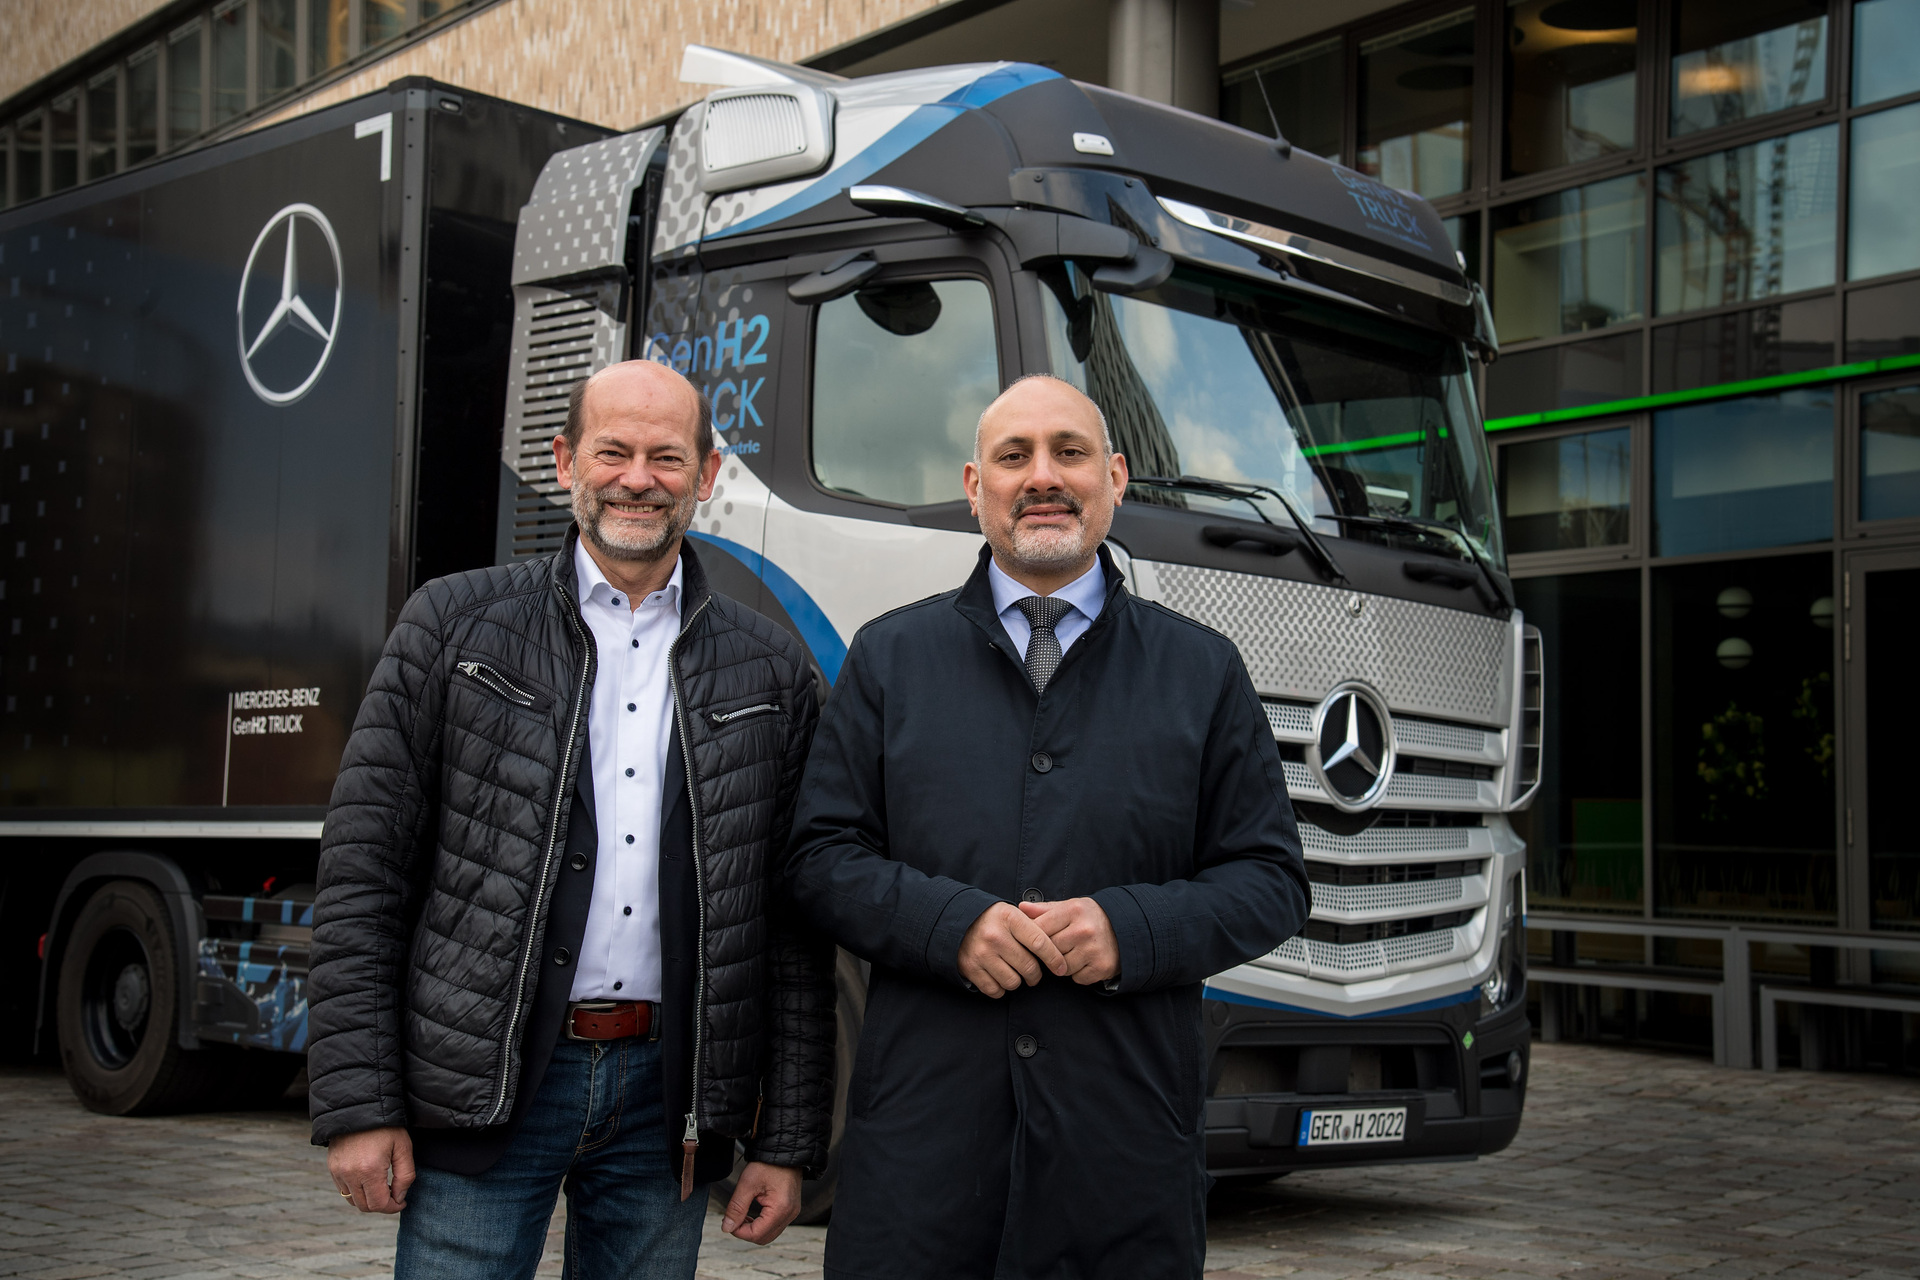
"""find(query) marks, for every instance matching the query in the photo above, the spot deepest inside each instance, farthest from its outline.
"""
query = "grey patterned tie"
(1043, 646)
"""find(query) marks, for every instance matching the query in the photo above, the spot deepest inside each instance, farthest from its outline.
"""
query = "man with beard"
(546, 952)
(1045, 811)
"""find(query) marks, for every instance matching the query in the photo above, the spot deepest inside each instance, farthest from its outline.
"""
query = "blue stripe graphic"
(897, 141)
(829, 650)
(1443, 1002)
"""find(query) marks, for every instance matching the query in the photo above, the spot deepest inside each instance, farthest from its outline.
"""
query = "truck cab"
(1285, 353)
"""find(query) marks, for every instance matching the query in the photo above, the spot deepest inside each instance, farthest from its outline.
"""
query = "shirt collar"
(1085, 593)
(594, 587)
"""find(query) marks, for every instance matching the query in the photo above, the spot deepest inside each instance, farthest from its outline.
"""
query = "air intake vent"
(1533, 715)
(763, 134)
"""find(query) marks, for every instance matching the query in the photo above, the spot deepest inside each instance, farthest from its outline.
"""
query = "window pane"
(1566, 493)
(1570, 81)
(1571, 261)
(1743, 738)
(229, 61)
(1892, 616)
(29, 136)
(1884, 190)
(327, 33)
(431, 9)
(1731, 474)
(63, 138)
(143, 104)
(277, 20)
(1560, 377)
(1735, 59)
(381, 21)
(1463, 232)
(901, 373)
(1300, 93)
(1416, 106)
(1747, 223)
(1886, 49)
(1784, 338)
(1583, 830)
(1890, 454)
(1883, 321)
(103, 125)
(184, 119)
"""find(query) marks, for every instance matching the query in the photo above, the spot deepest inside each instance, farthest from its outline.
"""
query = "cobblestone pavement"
(1629, 1165)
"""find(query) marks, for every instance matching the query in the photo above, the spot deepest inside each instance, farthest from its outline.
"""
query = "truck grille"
(1437, 762)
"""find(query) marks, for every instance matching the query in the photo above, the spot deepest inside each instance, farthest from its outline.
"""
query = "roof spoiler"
(701, 64)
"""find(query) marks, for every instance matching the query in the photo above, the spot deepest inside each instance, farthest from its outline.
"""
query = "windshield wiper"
(1247, 493)
(1450, 534)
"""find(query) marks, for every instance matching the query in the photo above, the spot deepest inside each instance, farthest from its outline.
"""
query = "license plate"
(1344, 1128)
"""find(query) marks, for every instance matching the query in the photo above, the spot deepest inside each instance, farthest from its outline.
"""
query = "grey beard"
(590, 508)
(1044, 549)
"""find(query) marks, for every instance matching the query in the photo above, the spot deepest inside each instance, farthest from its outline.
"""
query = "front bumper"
(1448, 1066)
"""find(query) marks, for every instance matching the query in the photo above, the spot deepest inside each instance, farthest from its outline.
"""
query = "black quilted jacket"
(441, 852)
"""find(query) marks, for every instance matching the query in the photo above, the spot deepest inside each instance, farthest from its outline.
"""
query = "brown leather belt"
(611, 1020)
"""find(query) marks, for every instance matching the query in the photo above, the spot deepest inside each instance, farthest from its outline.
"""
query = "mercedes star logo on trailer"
(286, 333)
(1352, 752)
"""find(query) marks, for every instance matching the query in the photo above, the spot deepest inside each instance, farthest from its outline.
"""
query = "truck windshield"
(1368, 426)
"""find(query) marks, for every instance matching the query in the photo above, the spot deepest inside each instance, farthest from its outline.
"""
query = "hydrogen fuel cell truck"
(265, 389)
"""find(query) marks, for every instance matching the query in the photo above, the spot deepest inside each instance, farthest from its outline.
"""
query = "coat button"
(561, 955)
(1042, 762)
(1026, 1046)
(1034, 895)
(578, 862)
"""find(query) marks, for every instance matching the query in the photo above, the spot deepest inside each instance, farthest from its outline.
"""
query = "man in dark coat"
(1045, 811)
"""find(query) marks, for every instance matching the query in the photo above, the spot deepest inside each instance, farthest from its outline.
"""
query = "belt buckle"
(588, 1006)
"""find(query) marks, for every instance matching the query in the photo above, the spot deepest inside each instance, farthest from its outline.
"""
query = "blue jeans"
(594, 1128)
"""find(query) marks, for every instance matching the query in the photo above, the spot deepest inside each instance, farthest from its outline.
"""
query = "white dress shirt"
(1086, 593)
(629, 732)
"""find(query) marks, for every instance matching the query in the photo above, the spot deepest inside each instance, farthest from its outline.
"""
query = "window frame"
(1538, 564)
(1854, 529)
(1751, 128)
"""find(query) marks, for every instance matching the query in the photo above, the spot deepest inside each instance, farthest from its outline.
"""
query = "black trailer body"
(252, 396)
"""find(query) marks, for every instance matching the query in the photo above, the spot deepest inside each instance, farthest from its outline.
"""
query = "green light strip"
(1724, 391)
(1355, 446)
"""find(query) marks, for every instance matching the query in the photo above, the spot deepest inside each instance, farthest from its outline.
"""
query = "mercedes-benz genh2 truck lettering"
(218, 507)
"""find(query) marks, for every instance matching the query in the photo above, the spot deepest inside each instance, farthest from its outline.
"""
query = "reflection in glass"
(1736, 59)
(1890, 457)
(1568, 492)
(1298, 94)
(1463, 233)
(143, 104)
(1747, 223)
(1368, 427)
(1571, 261)
(1731, 474)
(63, 140)
(103, 125)
(1583, 831)
(1565, 375)
(1883, 321)
(184, 118)
(1743, 738)
(29, 137)
(278, 20)
(1416, 106)
(327, 32)
(1886, 49)
(381, 21)
(1883, 193)
(1733, 345)
(1570, 81)
(901, 374)
(1891, 620)
(229, 61)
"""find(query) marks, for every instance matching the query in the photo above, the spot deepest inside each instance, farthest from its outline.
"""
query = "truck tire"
(816, 1194)
(118, 1004)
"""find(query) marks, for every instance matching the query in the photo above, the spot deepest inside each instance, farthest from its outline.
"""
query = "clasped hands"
(1014, 944)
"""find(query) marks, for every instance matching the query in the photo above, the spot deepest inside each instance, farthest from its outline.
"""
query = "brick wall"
(41, 36)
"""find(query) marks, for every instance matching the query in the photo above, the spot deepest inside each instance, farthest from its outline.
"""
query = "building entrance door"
(1881, 649)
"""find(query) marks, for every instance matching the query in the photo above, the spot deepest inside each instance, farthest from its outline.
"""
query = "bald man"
(1046, 812)
(546, 953)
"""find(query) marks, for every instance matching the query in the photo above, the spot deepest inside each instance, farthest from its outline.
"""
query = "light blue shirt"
(1086, 593)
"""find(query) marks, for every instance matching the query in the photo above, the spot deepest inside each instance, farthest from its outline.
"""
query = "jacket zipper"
(727, 717)
(493, 680)
(561, 796)
(690, 1139)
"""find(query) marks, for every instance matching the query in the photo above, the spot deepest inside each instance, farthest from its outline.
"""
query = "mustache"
(620, 493)
(1059, 498)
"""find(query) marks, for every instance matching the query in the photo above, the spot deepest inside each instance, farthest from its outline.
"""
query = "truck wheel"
(117, 1007)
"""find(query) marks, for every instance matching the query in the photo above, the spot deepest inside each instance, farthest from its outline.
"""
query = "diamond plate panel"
(1299, 639)
(1378, 899)
(576, 220)
(1410, 844)
(683, 206)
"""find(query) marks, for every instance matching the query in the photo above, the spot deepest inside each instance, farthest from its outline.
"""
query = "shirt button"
(1042, 762)
(629, 773)
(1034, 895)
(616, 599)
(631, 707)
(636, 644)
(578, 862)
(626, 911)
(629, 839)
(616, 986)
(1026, 1046)
(561, 955)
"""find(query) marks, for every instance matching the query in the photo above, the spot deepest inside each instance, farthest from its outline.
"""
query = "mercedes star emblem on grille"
(1353, 751)
(288, 319)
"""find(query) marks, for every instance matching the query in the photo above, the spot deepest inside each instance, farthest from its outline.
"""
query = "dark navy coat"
(1058, 1131)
